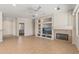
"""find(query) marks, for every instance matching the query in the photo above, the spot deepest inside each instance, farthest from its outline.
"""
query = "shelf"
(63, 28)
(39, 23)
(39, 34)
(47, 19)
(46, 22)
(39, 28)
(44, 26)
(47, 34)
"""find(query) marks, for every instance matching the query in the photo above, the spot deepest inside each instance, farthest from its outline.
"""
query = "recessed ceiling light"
(55, 8)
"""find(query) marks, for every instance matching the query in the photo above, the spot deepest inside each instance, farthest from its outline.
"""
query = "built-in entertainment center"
(44, 27)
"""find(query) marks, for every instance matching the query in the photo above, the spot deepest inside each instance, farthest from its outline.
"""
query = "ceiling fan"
(57, 8)
(35, 11)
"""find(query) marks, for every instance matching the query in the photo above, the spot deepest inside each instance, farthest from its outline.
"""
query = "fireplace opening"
(61, 36)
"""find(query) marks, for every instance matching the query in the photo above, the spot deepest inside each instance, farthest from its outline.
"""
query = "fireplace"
(61, 36)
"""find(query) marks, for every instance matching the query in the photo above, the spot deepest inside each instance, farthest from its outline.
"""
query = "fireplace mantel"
(63, 28)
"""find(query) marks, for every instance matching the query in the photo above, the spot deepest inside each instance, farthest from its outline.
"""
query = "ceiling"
(27, 10)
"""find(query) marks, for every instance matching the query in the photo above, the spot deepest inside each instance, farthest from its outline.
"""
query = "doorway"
(21, 29)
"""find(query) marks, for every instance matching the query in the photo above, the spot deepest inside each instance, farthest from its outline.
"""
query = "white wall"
(1, 29)
(0, 20)
(63, 20)
(9, 26)
(74, 31)
(14, 26)
(76, 28)
(28, 25)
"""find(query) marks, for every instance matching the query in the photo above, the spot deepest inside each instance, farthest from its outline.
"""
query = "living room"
(36, 28)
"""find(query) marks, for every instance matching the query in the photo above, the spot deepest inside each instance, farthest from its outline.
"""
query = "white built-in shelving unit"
(44, 27)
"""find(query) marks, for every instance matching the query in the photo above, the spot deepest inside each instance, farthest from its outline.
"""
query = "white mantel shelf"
(63, 28)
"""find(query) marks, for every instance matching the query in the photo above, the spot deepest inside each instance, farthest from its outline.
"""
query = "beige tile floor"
(36, 45)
